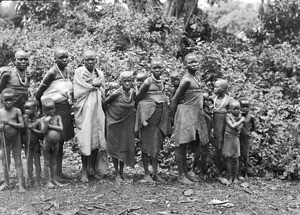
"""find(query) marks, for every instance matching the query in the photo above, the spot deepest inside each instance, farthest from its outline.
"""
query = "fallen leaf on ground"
(188, 192)
(245, 185)
(227, 205)
(163, 213)
(217, 202)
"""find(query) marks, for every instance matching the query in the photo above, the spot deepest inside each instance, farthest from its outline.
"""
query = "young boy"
(245, 135)
(51, 126)
(12, 122)
(231, 147)
(189, 122)
(221, 102)
(120, 121)
(175, 80)
(32, 145)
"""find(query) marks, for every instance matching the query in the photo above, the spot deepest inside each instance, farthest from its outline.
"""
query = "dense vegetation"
(265, 67)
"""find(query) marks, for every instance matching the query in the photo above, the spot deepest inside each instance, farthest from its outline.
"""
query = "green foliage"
(281, 21)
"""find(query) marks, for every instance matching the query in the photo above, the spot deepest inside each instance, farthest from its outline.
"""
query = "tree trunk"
(189, 9)
(166, 7)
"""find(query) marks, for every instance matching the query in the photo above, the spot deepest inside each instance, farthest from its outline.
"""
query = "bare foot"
(64, 176)
(84, 178)
(4, 187)
(118, 178)
(191, 178)
(159, 179)
(98, 176)
(148, 179)
(21, 189)
(246, 177)
(50, 185)
(184, 180)
(224, 181)
(57, 183)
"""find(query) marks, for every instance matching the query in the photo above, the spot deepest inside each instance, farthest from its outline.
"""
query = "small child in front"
(245, 135)
(11, 123)
(52, 127)
(120, 122)
(231, 147)
(32, 145)
(139, 80)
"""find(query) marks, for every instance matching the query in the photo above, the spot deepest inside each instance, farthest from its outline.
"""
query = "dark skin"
(250, 120)
(21, 64)
(34, 133)
(51, 126)
(126, 84)
(186, 83)
(12, 121)
(234, 109)
(61, 58)
(156, 69)
(90, 60)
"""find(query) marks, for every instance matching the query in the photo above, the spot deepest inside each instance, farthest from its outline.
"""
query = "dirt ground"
(255, 196)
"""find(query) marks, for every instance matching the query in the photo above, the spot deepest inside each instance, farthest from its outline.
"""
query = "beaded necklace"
(60, 71)
(222, 103)
(126, 99)
(158, 83)
(195, 79)
(19, 77)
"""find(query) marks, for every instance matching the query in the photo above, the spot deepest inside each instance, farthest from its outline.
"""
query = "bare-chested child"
(189, 122)
(231, 147)
(120, 121)
(221, 101)
(139, 80)
(11, 123)
(245, 135)
(32, 145)
(52, 127)
(175, 80)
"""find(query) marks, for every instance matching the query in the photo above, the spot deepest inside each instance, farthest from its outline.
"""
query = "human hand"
(145, 123)
(5, 122)
(243, 119)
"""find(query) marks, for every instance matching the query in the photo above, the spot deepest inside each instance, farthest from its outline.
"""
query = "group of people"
(109, 118)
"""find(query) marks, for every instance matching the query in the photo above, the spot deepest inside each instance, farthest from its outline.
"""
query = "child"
(139, 80)
(231, 147)
(112, 86)
(51, 126)
(189, 121)
(120, 121)
(221, 102)
(32, 145)
(12, 122)
(175, 80)
(245, 135)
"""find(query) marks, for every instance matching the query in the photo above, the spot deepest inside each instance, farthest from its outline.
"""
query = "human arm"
(183, 86)
(59, 126)
(110, 98)
(36, 127)
(16, 124)
(232, 124)
(4, 80)
(48, 78)
(253, 125)
(143, 90)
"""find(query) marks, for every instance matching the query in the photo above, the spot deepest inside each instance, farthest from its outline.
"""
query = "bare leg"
(6, 171)
(229, 169)
(116, 166)
(236, 169)
(145, 161)
(47, 158)
(246, 161)
(30, 166)
(37, 164)
(16, 151)
(84, 177)
(218, 161)
(121, 170)
(53, 163)
(180, 163)
(155, 165)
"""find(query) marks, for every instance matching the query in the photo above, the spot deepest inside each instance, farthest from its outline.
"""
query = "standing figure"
(245, 135)
(57, 85)
(189, 121)
(32, 146)
(11, 123)
(89, 117)
(175, 80)
(17, 78)
(231, 147)
(221, 102)
(120, 121)
(52, 127)
(152, 119)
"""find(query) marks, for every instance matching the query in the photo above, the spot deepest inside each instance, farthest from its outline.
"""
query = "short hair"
(8, 91)
(244, 99)
(224, 83)
(190, 54)
(234, 102)
(126, 74)
(141, 75)
(33, 101)
(48, 102)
